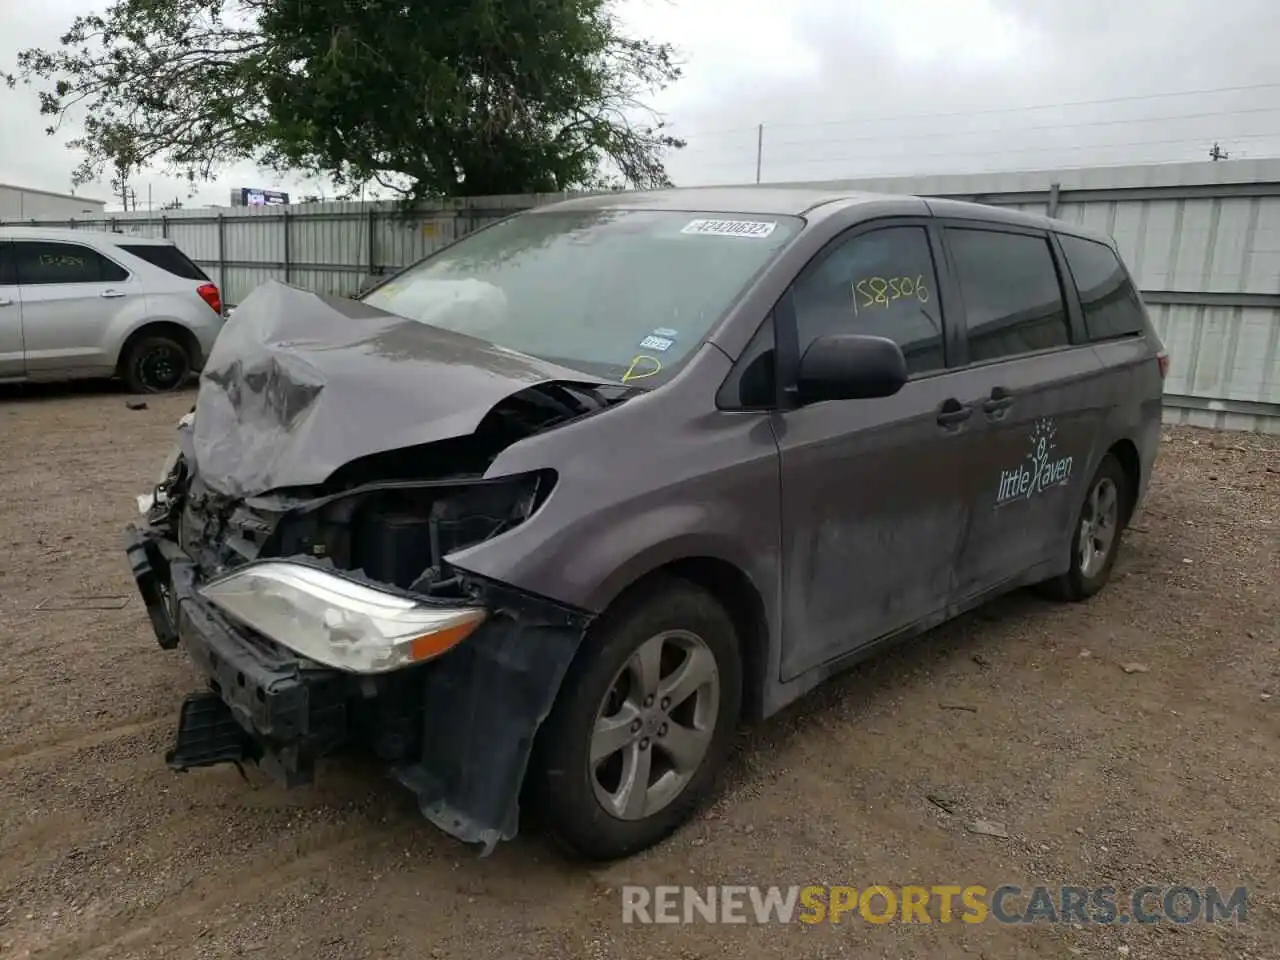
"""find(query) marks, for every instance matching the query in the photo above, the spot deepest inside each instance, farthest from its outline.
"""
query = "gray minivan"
(545, 514)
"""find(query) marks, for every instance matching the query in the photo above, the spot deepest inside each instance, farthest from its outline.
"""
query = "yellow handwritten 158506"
(882, 291)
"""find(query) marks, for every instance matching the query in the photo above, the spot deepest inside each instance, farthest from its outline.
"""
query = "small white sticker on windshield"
(655, 342)
(754, 229)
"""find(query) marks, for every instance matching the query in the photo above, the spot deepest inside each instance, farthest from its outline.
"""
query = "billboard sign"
(255, 197)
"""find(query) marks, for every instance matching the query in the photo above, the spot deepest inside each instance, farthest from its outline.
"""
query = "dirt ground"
(1164, 775)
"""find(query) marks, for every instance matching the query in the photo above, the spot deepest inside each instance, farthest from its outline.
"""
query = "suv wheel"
(1096, 540)
(156, 364)
(643, 724)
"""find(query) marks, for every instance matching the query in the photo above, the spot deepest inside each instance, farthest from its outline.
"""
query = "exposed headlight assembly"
(148, 500)
(338, 622)
(171, 459)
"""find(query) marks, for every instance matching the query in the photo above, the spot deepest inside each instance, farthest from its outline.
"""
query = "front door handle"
(1000, 401)
(953, 412)
(110, 293)
(6, 303)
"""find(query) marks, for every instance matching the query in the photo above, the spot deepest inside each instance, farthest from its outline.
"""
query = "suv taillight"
(1162, 358)
(209, 294)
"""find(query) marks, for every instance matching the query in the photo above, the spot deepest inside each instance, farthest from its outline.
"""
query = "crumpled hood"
(299, 384)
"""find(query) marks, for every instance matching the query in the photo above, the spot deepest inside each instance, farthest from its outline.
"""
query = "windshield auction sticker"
(752, 229)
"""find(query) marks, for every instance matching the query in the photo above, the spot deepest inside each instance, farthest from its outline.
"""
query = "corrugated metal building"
(1203, 240)
(17, 203)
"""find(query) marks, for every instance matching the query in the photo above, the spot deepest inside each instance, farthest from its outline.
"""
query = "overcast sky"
(848, 88)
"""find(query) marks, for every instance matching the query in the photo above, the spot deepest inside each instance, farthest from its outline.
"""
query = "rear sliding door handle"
(108, 294)
(954, 412)
(1000, 401)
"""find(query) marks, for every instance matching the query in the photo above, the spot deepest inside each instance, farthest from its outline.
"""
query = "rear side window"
(167, 258)
(41, 262)
(8, 275)
(1110, 303)
(1011, 294)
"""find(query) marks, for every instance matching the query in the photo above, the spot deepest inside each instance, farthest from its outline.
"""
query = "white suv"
(80, 304)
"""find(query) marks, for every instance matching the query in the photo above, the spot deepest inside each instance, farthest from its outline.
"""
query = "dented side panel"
(682, 482)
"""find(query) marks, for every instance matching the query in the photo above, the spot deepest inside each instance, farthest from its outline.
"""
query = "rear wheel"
(156, 364)
(1096, 539)
(643, 724)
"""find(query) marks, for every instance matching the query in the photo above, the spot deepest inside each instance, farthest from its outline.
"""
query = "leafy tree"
(427, 97)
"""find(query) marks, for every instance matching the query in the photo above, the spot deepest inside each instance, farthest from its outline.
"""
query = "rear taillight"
(1162, 358)
(209, 294)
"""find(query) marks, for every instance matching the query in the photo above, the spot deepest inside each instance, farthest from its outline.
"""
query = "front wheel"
(643, 724)
(1096, 539)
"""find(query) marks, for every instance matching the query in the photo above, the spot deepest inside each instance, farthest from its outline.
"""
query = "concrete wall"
(21, 203)
(1202, 238)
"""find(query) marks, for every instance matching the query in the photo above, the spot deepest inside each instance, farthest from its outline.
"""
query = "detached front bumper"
(287, 716)
(457, 731)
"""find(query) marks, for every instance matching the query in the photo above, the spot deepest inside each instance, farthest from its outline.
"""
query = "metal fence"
(1203, 240)
(336, 248)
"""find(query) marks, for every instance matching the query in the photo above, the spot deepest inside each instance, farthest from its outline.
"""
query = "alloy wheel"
(654, 725)
(1098, 526)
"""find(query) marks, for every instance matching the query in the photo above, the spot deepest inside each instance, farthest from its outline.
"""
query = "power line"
(904, 174)
(936, 134)
(1002, 110)
(1002, 151)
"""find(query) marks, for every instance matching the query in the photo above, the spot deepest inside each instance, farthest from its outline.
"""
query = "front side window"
(8, 275)
(1110, 304)
(625, 294)
(1012, 298)
(880, 283)
(42, 262)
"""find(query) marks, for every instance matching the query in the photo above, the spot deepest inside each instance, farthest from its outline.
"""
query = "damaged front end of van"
(298, 544)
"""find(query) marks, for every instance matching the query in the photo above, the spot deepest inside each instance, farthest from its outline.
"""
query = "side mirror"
(850, 366)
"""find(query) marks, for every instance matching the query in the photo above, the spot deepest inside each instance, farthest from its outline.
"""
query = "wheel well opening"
(1127, 454)
(740, 599)
(162, 328)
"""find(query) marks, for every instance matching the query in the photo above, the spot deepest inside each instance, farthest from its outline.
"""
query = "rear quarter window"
(1111, 305)
(167, 258)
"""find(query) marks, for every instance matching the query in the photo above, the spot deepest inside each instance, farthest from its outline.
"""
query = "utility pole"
(759, 148)
(1217, 153)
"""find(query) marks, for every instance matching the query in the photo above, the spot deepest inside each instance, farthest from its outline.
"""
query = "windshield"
(623, 294)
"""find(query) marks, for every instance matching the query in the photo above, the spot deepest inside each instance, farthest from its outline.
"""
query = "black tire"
(156, 363)
(562, 780)
(1077, 584)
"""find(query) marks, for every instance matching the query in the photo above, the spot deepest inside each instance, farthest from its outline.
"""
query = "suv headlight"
(338, 622)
